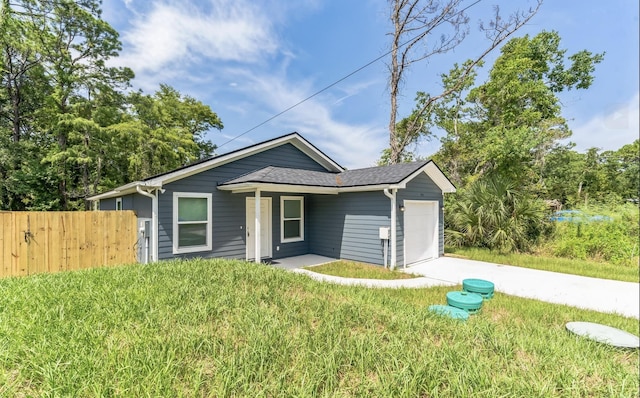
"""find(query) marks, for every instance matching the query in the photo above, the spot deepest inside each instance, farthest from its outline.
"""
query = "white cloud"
(352, 145)
(228, 52)
(612, 129)
(179, 34)
(355, 89)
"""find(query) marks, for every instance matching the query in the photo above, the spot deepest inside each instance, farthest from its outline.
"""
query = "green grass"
(354, 269)
(230, 328)
(556, 264)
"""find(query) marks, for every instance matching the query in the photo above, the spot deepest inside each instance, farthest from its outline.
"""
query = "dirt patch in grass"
(354, 269)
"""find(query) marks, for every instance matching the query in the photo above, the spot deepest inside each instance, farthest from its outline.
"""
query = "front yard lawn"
(217, 328)
(354, 269)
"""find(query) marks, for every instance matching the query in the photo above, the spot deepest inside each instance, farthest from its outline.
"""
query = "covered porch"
(306, 227)
(354, 214)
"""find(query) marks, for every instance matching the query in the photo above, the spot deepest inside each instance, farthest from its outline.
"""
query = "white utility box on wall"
(384, 232)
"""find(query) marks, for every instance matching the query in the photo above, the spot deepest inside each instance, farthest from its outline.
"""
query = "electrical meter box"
(384, 232)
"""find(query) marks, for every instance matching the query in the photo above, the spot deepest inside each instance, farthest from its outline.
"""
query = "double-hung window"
(191, 222)
(291, 219)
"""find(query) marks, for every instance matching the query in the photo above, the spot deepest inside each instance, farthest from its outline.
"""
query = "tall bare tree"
(415, 22)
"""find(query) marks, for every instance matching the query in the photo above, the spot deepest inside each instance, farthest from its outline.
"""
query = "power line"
(337, 81)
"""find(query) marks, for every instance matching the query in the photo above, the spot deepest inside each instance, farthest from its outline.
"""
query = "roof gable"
(437, 176)
(159, 180)
(294, 139)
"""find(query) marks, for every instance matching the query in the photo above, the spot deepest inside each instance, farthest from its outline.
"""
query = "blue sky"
(250, 60)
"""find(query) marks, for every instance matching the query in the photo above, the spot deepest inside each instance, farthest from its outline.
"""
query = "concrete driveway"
(579, 291)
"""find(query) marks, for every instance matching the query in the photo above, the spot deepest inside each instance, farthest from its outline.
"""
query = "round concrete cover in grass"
(449, 311)
(604, 334)
(479, 286)
(470, 302)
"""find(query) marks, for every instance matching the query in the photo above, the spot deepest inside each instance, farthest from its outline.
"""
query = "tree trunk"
(394, 82)
(62, 184)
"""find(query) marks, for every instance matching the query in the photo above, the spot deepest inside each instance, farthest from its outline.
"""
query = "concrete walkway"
(601, 295)
(296, 263)
(304, 260)
(379, 283)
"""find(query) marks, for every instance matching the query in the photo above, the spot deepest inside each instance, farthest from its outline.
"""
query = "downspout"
(154, 220)
(392, 196)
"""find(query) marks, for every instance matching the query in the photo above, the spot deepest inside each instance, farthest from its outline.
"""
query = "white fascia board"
(294, 139)
(123, 190)
(439, 178)
(252, 187)
(367, 188)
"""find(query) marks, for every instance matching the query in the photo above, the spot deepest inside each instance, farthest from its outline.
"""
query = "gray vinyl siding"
(228, 213)
(347, 225)
(108, 204)
(420, 188)
(136, 202)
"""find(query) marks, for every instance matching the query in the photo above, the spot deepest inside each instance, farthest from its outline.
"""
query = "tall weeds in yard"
(612, 237)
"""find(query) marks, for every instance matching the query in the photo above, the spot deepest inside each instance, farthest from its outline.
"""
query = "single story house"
(300, 200)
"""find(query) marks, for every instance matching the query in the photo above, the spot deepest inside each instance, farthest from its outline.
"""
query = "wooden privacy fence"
(36, 242)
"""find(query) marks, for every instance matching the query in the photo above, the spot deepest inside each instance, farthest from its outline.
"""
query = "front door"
(265, 228)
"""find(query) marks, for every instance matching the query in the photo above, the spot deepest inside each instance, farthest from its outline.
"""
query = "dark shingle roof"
(381, 175)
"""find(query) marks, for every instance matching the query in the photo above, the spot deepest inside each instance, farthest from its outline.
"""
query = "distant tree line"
(69, 124)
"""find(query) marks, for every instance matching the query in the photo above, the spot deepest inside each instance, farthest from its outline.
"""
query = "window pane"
(192, 209)
(192, 235)
(291, 229)
(292, 208)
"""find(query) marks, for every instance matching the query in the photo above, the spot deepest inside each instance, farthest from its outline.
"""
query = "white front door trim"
(263, 223)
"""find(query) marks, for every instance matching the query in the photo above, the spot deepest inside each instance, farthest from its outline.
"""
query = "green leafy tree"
(76, 45)
(510, 123)
(622, 170)
(68, 128)
(563, 174)
(165, 131)
(576, 178)
(415, 23)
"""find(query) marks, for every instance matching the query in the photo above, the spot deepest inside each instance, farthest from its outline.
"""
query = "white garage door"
(420, 230)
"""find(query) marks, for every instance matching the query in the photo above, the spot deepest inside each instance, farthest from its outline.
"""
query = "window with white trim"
(191, 222)
(118, 203)
(291, 219)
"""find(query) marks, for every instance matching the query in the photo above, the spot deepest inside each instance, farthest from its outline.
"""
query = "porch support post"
(256, 233)
(153, 253)
(392, 238)
(394, 222)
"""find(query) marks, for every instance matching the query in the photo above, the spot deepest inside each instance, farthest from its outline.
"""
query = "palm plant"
(493, 213)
